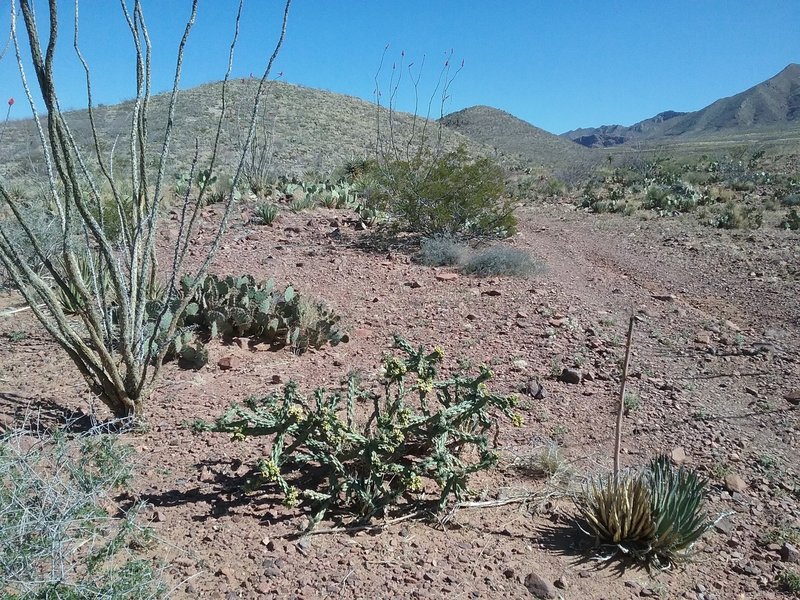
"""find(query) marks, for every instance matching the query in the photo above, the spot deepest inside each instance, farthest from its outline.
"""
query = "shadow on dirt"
(566, 539)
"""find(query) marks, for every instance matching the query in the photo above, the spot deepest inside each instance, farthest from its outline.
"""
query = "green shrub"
(501, 260)
(441, 251)
(421, 428)
(791, 200)
(450, 194)
(306, 202)
(790, 581)
(738, 216)
(654, 516)
(680, 197)
(58, 540)
(792, 220)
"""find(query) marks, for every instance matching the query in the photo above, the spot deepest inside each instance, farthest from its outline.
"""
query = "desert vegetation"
(123, 277)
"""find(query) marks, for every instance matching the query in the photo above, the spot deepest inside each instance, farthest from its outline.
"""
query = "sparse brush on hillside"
(105, 341)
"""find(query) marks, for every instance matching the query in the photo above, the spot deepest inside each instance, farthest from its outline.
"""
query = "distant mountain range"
(770, 104)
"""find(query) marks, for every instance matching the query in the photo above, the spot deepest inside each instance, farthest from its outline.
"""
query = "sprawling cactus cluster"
(421, 428)
(241, 306)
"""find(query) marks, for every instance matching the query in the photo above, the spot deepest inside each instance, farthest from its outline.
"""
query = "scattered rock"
(703, 337)
(535, 389)
(792, 396)
(724, 526)
(539, 587)
(790, 553)
(572, 376)
(227, 363)
(664, 297)
(732, 326)
(734, 483)
(519, 365)
(678, 456)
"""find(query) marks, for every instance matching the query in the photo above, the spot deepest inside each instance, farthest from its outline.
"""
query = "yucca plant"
(654, 516)
(266, 213)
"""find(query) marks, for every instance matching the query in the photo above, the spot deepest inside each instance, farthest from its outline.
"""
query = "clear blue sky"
(557, 64)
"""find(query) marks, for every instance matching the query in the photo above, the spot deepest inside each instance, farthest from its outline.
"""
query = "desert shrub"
(790, 581)
(738, 216)
(421, 429)
(679, 197)
(791, 200)
(266, 213)
(653, 516)
(501, 260)
(303, 203)
(449, 194)
(792, 220)
(441, 251)
(58, 540)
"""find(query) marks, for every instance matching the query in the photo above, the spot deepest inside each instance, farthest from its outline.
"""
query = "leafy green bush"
(441, 251)
(58, 540)
(449, 194)
(654, 516)
(679, 197)
(422, 428)
(790, 581)
(501, 260)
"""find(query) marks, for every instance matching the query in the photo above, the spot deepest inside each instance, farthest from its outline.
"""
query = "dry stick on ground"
(621, 407)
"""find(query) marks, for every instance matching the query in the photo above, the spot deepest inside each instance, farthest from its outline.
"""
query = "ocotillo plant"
(108, 344)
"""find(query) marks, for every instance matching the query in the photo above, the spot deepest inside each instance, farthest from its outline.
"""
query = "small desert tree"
(432, 189)
(121, 328)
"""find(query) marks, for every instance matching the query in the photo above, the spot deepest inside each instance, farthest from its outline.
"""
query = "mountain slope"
(306, 129)
(513, 137)
(772, 103)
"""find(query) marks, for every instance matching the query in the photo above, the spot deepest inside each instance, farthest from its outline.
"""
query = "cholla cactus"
(437, 435)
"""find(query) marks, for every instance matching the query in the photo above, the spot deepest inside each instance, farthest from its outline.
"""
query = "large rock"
(540, 587)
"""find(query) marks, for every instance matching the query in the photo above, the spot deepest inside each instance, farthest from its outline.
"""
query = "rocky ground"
(715, 379)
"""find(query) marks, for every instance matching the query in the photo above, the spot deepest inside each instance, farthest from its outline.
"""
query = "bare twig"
(621, 406)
